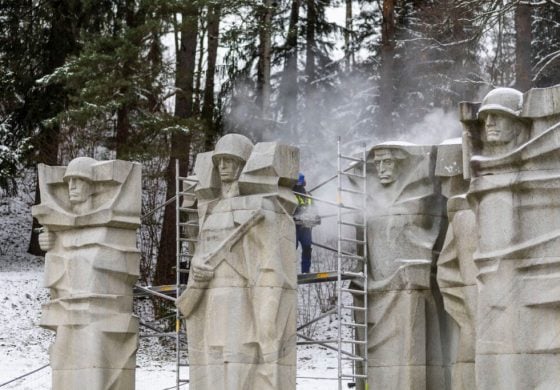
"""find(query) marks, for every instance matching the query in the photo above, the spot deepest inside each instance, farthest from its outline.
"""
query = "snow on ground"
(24, 345)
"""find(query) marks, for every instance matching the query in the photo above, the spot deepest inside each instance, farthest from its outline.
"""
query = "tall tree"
(116, 83)
(265, 53)
(311, 47)
(348, 35)
(289, 84)
(523, 39)
(387, 75)
(498, 21)
(35, 40)
(545, 45)
(436, 59)
(180, 138)
(214, 10)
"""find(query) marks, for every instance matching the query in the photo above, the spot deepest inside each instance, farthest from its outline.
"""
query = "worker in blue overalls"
(305, 218)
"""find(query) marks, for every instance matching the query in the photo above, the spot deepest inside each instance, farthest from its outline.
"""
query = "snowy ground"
(24, 346)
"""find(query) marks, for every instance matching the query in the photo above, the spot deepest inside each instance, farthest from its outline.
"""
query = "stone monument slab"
(90, 211)
(241, 297)
(514, 196)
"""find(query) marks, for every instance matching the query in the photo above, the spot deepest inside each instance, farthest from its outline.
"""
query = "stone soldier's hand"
(46, 240)
(202, 273)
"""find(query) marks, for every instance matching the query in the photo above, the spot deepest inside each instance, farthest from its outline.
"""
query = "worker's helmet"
(504, 100)
(233, 145)
(81, 167)
(301, 179)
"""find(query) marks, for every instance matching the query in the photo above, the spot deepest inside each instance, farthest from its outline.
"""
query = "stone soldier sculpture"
(240, 300)
(456, 271)
(90, 211)
(404, 224)
(514, 195)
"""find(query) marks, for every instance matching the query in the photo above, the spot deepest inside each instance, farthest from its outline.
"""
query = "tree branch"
(555, 56)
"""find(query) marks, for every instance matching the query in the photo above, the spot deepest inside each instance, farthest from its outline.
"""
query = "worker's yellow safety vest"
(303, 200)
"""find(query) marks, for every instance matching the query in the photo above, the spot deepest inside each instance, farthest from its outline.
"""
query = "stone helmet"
(81, 167)
(233, 145)
(504, 100)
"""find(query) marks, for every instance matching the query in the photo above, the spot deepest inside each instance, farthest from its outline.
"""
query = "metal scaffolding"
(351, 272)
(351, 255)
(186, 216)
(184, 254)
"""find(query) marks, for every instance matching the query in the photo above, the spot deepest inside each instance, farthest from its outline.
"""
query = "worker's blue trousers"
(303, 237)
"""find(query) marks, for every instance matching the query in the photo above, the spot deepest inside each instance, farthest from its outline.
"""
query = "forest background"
(157, 81)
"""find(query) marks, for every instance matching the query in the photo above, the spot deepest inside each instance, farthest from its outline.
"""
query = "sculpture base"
(94, 379)
(518, 371)
(408, 377)
(463, 377)
(234, 376)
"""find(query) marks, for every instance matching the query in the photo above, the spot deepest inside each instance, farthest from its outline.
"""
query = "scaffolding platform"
(320, 277)
(166, 289)
(313, 277)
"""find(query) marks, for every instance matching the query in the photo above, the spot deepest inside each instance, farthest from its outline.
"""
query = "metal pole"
(339, 264)
(327, 181)
(178, 273)
(365, 262)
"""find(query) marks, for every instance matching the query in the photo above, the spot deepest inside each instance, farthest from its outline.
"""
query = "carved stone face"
(500, 128)
(229, 169)
(386, 166)
(79, 190)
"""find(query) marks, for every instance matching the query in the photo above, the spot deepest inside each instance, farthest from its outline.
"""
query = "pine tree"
(288, 98)
(435, 59)
(35, 39)
(545, 46)
(387, 76)
(180, 138)
(523, 39)
(208, 103)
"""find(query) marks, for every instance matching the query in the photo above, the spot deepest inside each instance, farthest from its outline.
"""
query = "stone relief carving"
(240, 300)
(456, 271)
(405, 222)
(90, 211)
(513, 193)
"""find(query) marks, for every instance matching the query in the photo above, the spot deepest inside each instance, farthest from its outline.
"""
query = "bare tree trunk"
(199, 71)
(186, 56)
(523, 38)
(289, 87)
(311, 44)
(180, 142)
(208, 102)
(132, 19)
(265, 46)
(123, 128)
(387, 87)
(348, 52)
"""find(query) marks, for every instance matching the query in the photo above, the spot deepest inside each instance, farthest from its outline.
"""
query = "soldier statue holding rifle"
(240, 301)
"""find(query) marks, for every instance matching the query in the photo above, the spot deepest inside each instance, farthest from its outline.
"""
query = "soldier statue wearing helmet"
(79, 176)
(242, 277)
(503, 128)
(230, 155)
(89, 213)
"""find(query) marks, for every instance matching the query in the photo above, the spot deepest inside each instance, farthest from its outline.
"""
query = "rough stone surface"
(241, 297)
(405, 222)
(514, 195)
(90, 211)
(456, 271)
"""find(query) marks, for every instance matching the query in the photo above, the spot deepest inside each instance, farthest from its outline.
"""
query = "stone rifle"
(190, 299)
